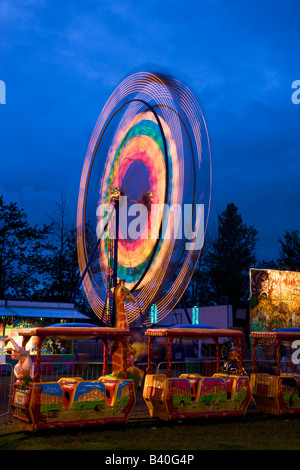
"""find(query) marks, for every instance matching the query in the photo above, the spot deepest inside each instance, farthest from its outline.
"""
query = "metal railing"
(209, 367)
(206, 368)
(87, 370)
(6, 387)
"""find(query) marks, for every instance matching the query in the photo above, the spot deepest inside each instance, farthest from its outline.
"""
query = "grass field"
(251, 433)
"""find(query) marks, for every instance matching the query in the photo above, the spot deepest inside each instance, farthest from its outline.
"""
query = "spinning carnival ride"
(150, 146)
(149, 149)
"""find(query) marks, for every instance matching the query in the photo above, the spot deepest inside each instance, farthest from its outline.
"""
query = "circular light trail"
(150, 138)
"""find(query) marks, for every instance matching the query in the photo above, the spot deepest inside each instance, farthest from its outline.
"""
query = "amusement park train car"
(193, 395)
(277, 393)
(74, 401)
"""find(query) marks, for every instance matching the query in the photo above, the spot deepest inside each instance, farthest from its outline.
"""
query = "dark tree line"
(41, 263)
(23, 252)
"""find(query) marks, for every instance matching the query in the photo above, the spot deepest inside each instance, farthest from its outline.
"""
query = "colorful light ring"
(160, 138)
(141, 142)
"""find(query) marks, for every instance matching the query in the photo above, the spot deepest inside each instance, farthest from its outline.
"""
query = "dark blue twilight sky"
(60, 61)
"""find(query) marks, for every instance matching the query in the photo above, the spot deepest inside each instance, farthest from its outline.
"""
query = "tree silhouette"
(62, 274)
(289, 251)
(62, 266)
(231, 256)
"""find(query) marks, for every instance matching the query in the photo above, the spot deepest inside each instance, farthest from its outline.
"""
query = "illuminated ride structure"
(277, 393)
(70, 402)
(149, 148)
(194, 395)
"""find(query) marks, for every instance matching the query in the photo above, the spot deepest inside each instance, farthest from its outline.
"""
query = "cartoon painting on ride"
(274, 299)
(72, 401)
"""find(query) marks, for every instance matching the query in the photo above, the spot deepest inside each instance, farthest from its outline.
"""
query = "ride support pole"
(216, 341)
(105, 356)
(150, 343)
(37, 377)
(254, 360)
(169, 356)
(278, 342)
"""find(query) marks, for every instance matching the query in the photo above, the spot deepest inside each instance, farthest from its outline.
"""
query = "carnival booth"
(274, 299)
(275, 329)
(17, 315)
